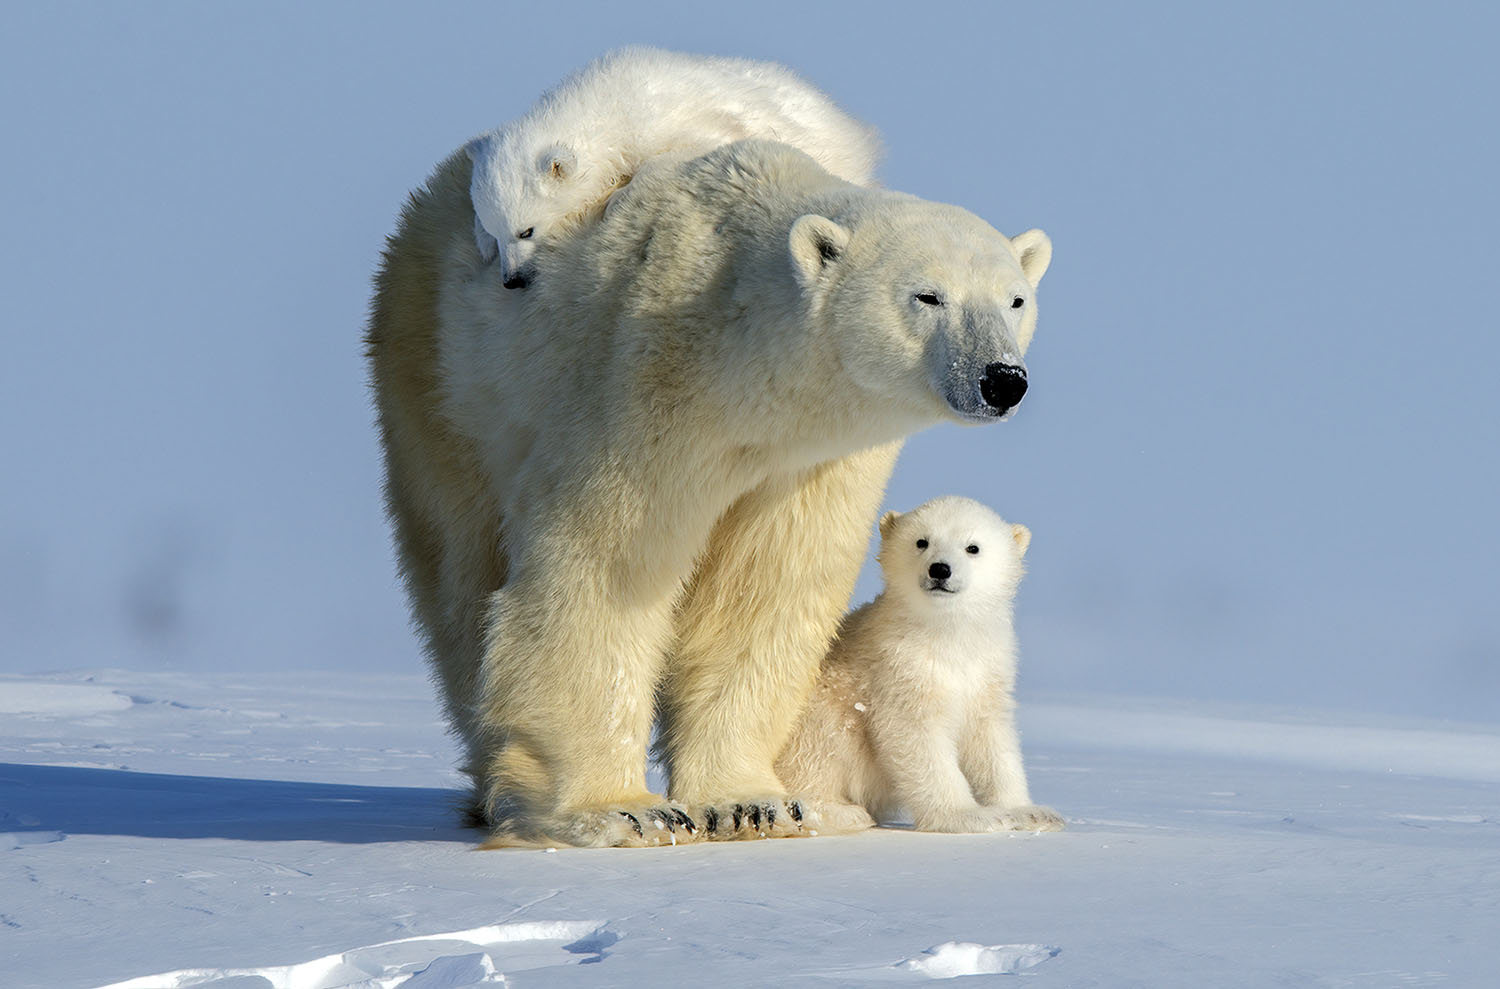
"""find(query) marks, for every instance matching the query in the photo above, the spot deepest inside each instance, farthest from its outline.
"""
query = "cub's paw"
(765, 817)
(1032, 817)
(625, 825)
(963, 820)
(825, 817)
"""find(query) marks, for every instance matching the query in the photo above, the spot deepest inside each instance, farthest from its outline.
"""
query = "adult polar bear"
(645, 485)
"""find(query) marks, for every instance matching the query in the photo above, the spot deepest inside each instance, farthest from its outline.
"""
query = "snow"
(953, 958)
(299, 830)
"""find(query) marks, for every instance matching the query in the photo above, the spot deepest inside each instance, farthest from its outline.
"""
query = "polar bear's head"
(521, 194)
(945, 305)
(952, 554)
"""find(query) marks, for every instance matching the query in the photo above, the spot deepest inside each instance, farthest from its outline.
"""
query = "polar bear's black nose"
(1003, 386)
(515, 281)
(940, 571)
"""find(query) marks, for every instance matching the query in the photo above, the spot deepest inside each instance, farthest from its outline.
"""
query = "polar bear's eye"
(526, 234)
(1017, 302)
(972, 550)
(929, 299)
(921, 544)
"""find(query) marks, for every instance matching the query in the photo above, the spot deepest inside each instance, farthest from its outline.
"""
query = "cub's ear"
(476, 148)
(488, 246)
(1022, 536)
(558, 162)
(887, 523)
(816, 243)
(1035, 251)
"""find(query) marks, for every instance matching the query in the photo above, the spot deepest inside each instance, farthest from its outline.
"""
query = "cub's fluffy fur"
(558, 164)
(914, 705)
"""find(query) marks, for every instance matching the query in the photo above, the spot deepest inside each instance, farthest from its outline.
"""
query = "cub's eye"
(929, 299)
(1017, 302)
(526, 234)
(921, 544)
(972, 550)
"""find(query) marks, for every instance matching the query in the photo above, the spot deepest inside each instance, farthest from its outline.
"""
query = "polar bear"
(913, 709)
(641, 489)
(559, 162)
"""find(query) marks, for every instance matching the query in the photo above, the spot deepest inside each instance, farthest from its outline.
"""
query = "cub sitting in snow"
(914, 703)
(557, 165)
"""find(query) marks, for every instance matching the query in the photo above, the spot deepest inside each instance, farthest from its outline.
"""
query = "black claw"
(634, 822)
(664, 818)
(685, 821)
(755, 815)
(770, 814)
(739, 815)
(711, 820)
(795, 809)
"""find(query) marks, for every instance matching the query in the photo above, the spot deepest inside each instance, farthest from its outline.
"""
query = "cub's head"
(952, 554)
(932, 307)
(520, 195)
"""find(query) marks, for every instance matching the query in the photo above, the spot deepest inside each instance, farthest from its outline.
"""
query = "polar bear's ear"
(1022, 536)
(816, 243)
(558, 162)
(887, 523)
(1035, 251)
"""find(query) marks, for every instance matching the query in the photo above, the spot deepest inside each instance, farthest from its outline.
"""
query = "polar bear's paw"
(627, 825)
(1032, 817)
(761, 817)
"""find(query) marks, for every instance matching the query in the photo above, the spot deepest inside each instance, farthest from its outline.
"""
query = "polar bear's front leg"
(565, 708)
(760, 611)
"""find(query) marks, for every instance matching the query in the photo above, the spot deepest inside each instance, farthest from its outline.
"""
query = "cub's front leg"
(990, 757)
(921, 765)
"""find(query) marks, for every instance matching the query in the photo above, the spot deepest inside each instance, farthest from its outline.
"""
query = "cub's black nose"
(1003, 386)
(940, 571)
(519, 281)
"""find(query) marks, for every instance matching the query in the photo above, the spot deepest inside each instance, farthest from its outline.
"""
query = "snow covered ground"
(297, 830)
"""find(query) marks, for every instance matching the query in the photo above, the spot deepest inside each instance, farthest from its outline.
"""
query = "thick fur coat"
(643, 486)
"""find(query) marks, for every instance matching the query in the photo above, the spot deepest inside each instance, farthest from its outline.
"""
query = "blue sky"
(1258, 453)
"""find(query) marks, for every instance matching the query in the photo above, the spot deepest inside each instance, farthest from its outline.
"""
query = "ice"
(18, 696)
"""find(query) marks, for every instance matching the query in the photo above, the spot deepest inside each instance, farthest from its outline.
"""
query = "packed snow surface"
(300, 831)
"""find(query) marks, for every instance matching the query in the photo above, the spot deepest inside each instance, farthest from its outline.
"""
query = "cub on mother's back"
(913, 709)
(549, 168)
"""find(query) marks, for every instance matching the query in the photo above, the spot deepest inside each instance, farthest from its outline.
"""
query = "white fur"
(587, 136)
(645, 485)
(914, 706)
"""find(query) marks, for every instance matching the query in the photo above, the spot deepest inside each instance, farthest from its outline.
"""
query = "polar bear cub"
(914, 703)
(557, 164)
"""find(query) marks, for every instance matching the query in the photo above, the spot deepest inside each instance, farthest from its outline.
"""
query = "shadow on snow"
(150, 805)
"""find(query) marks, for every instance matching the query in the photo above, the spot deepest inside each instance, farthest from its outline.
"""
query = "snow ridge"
(424, 962)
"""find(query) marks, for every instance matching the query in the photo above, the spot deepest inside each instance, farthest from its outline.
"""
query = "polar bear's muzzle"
(977, 367)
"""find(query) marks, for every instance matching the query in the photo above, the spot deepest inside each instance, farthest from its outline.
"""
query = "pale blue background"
(1259, 455)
